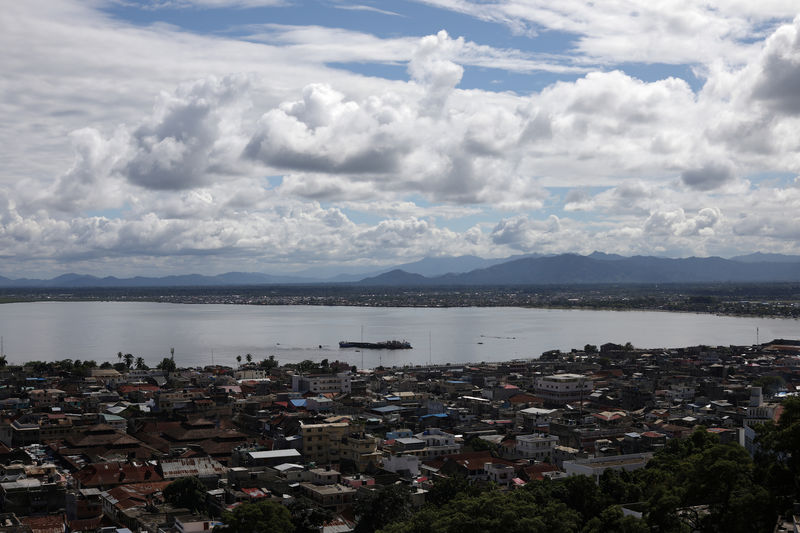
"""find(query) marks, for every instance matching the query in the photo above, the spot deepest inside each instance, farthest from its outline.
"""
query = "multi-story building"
(537, 446)
(559, 389)
(322, 443)
(323, 383)
(361, 449)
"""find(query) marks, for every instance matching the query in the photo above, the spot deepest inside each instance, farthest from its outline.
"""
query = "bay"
(206, 333)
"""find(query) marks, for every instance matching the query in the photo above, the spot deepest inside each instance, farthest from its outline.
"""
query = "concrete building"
(323, 383)
(537, 446)
(559, 389)
(322, 443)
(595, 466)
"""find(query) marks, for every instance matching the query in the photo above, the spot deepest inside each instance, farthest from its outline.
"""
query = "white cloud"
(132, 144)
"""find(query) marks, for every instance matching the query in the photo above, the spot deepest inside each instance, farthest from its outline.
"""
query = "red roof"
(115, 473)
(256, 493)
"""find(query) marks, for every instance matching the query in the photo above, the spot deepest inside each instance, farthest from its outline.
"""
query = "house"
(560, 389)
(595, 466)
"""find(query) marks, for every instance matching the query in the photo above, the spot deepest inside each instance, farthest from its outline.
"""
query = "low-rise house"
(104, 476)
(536, 446)
(595, 466)
(206, 469)
(334, 496)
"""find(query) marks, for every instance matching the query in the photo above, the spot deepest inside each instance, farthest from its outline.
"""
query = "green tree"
(188, 492)
(269, 363)
(518, 511)
(128, 360)
(308, 518)
(257, 518)
(382, 507)
(778, 458)
(307, 365)
(239, 360)
(446, 489)
(249, 357)
(590, 348)
(140, 364)
(612, 519)
(167, 365)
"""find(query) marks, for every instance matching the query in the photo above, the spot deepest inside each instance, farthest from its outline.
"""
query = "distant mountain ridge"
(568, 269)
(532, 269)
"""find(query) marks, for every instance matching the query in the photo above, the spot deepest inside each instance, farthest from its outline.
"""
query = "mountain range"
(596, 268)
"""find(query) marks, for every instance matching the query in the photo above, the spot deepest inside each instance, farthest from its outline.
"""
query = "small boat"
(385, 345)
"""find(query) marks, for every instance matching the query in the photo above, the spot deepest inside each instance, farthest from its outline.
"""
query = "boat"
(385, 345)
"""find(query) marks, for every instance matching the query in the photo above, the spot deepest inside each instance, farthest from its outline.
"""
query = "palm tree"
(140, 364)
(249, 358)
(119, 356)
(239, 359)
(128, 360)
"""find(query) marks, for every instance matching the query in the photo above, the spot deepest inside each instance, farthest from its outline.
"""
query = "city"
(88, 447)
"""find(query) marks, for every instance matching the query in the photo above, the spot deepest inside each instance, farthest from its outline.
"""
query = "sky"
(159, 137)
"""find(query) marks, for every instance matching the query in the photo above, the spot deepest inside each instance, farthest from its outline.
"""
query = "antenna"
(172, 353)
(212, 356)
(756, 336)
(430, 357)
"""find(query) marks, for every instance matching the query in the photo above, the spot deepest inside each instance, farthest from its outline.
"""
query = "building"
(333, 496)
(360, 449)
(537, 446)
(559, 389)
(534, 417)
(323, 383)
(595, 466)
(322, 443)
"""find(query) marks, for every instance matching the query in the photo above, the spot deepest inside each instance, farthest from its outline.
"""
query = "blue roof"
(388, 409)
(437, 415)
(299, 403)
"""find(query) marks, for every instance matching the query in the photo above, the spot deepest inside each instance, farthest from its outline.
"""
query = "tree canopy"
(257, 518)
(188, 492)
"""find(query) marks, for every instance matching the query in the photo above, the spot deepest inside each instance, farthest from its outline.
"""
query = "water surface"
(202, 333)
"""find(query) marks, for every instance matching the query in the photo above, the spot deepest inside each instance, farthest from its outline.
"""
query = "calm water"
(98, 330)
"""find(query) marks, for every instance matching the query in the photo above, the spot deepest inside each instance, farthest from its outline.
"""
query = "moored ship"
(385, 345)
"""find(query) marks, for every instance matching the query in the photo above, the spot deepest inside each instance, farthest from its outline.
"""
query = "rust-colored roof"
(115, 473)
(45, 524)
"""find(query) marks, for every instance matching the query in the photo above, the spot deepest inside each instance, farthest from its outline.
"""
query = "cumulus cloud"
(523, 233)
(295, 155)
(678, 224)
(707, 177)
(778, 83)
(189, 137)
(324, 132)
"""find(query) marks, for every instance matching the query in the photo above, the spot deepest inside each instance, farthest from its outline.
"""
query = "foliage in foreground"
(694, 484)
(257, 518)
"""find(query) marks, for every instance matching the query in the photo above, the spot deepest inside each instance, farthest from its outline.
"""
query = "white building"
(401, 464)
(323, 383)
(499, 473)
(595, 466)
(534, 417)
(537, 446)
(559, 389)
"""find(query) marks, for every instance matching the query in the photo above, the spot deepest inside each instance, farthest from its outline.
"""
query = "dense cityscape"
(600, 438)
(419, 266)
